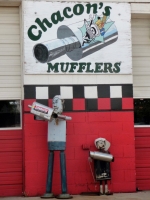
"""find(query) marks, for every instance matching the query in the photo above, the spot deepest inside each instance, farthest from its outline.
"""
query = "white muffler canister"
(101, 156)
(46, 112)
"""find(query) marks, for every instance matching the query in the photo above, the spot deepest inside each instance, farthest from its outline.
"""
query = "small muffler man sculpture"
(56, 141)
(102, 161)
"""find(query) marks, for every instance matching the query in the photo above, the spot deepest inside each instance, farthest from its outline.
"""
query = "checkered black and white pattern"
(84, 97)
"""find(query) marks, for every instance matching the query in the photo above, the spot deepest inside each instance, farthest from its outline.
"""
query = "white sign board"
(77, 38)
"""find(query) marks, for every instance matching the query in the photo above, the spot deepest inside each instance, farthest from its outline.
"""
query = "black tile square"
(42, 101)
(103, 91)
(53, 90)
(127, 90)
(29, 92)
(91, 104)
(68, 105)
(116, 103)
(78, 91)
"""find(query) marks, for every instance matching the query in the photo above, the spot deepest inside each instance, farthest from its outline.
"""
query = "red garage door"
(11, 179)
(10, 101)
(142, 144)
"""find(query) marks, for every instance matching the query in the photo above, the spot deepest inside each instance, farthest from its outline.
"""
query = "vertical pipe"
(106, 187)
(63, 172)
(50, 172)
(101, 187)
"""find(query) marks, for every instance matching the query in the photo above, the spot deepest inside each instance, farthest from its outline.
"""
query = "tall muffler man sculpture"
(56, 141)
(102, 159)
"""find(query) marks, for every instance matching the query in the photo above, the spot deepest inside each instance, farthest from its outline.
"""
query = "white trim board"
(77, 79)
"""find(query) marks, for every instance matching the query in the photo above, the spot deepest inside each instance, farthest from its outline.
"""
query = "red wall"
(82, 130)
(142, 152)
(11, 164)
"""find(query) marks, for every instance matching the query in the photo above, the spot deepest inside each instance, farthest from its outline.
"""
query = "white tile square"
(66, 92)
(115, 91)
(90, 92)
(41, 92)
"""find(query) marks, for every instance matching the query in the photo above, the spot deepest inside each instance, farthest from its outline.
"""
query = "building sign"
(77, 38)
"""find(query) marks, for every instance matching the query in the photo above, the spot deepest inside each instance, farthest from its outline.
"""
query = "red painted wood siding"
(142, 146)
(11, 163)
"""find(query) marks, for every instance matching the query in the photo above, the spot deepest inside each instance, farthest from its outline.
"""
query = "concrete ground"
(117, 196)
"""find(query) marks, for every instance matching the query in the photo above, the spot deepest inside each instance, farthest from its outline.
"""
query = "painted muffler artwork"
(78, 40)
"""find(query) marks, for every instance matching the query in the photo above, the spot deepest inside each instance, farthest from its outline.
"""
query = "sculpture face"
(100, 144)
(57, 104)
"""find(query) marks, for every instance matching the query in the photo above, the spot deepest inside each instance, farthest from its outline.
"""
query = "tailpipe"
(101, 156)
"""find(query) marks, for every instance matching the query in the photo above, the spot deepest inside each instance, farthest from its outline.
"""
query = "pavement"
(117, 196)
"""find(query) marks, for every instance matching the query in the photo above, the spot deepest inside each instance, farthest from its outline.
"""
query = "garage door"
(141, 90)
(141, 56)
(10, 97)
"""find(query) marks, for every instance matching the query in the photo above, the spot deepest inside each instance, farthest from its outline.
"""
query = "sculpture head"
(102, 144)
(58, 104)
